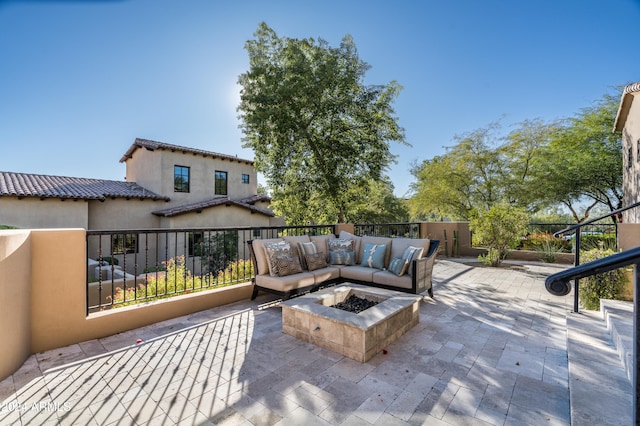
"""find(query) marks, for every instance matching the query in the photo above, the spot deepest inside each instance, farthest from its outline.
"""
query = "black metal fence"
(392, 230)
(130, 266)
(594, 235)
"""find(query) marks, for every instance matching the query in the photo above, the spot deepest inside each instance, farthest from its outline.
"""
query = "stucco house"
(628, 122)
(166, 186)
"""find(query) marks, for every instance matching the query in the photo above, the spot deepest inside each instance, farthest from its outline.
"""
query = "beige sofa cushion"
(359, 273)
(261, 256)
(288, 283)
(294, 240)
(391, 279)
(326, 274)
(400, 244)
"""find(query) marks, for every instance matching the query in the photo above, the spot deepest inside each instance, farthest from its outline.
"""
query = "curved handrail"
(558, 283)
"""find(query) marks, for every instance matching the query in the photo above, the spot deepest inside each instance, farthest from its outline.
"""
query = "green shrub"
(608, 285)
(499, 229)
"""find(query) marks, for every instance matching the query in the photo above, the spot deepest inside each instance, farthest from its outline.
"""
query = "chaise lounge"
(299, 264)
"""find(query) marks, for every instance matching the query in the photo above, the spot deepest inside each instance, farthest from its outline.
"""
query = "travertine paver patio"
(490, 349)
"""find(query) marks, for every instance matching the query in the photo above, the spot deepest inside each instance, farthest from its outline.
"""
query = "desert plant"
(598, 241)
(607, 285)
(499, 229)
(543, 241)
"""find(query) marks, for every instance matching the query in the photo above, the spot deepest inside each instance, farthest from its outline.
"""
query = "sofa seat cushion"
(359, 273)
(325, 274)
(391, 279)
(288, 283)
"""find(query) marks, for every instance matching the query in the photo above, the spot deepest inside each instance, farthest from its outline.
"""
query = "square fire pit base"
(358, 336)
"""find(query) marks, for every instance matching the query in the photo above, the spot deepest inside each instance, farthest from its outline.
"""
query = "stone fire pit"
(357, 336)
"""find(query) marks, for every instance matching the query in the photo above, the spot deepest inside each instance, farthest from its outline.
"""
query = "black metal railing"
(559, 284)
(135, 265)
(391, 230)
(577, 231)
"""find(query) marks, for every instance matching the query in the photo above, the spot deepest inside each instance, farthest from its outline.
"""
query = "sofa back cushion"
(261, 256)
(399, 245)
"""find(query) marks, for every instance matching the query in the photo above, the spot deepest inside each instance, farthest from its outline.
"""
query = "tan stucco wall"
(31, 212)
(154, 170)
(628, 235)
(51, 311)
(120, 213)
(15, 300)
(628, 238)
(631, 175)
(437, 231)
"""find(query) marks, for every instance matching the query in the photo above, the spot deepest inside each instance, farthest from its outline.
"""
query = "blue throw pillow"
(410, 254)
(373, 255)
(398, 266)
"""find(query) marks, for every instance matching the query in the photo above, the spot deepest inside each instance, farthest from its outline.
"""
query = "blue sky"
(80, 80)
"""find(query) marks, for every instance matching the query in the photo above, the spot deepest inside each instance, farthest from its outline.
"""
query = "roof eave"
(625, 105)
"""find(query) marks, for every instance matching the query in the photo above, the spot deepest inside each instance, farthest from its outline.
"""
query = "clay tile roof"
(246, 203)
(45, 186)
(154, 145)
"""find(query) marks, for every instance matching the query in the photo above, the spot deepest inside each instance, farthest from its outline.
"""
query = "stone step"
(599, 389)
(618, 317)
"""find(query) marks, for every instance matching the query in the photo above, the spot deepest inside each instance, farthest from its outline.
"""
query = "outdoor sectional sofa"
(298, 264)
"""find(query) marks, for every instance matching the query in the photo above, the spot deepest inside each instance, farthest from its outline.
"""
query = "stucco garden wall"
(15, 299)
(43, 297)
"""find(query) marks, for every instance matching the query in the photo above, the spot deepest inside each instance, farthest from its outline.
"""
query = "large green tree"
(584, 160)
(469, 175)
(575, 163)
(317, 130)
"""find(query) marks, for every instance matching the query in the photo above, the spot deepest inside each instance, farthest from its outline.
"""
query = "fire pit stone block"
(357, 336)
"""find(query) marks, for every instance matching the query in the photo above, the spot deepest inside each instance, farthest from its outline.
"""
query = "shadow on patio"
(489, 349)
